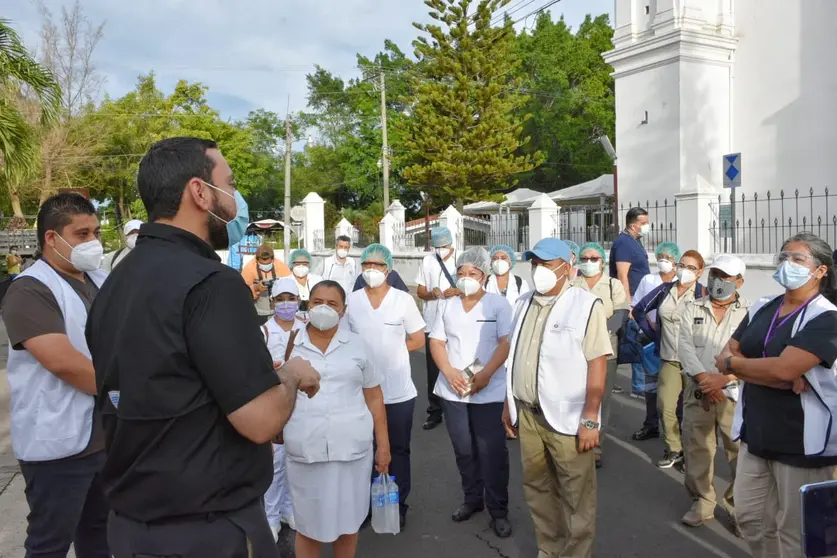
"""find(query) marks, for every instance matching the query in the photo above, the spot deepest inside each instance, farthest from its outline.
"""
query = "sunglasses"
(594, 259)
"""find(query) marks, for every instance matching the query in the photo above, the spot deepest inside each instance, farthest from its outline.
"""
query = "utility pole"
(385, 146)
(287, 215)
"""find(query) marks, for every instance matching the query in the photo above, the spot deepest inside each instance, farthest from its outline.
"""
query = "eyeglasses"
(594, 259)
(685, 266)
(800, 258)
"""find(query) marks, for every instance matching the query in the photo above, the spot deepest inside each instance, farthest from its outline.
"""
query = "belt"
(534, 409)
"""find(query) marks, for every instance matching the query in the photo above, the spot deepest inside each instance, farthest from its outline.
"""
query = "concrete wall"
(777, 92)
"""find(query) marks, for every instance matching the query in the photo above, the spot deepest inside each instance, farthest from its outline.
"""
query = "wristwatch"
(589, 424)
(728, 364)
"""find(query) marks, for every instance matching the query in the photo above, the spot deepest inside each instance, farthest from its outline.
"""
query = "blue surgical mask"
(792, 275)
(237, 227)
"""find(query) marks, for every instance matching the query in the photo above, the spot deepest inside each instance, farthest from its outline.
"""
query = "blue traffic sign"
(732, 170)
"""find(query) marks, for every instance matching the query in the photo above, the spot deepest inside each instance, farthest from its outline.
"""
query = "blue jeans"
(482, 457)
(66, 506)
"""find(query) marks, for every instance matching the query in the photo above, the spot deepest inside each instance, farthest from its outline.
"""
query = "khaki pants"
(700, 441)
(560, 488)
(669, 387)
(767, 504)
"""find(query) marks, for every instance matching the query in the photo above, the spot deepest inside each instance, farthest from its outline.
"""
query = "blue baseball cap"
(549, 249)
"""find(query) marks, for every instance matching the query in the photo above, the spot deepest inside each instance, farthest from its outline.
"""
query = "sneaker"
(670, 459)
(617, 390)
(693, 518)
(645, 434)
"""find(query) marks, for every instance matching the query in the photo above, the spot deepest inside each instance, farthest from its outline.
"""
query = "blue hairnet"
(507, 250)
(299, 252)
(440, 236)
(669, 249)
(377, 252)
(573, 248)
(477, 257)
(593, 246)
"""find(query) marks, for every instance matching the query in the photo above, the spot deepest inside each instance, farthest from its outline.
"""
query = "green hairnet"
(668, 249)
(507, 250)
(573, 248)
(477, 257)
(300, 252)
(593, 246)
(377, 253)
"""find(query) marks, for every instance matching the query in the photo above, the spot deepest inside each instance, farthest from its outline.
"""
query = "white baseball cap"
(284, 285)
(729, 264)
(131, 226)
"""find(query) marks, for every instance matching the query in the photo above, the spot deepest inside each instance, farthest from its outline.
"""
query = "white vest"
(562, 366)
(819, 403)
(50, 418)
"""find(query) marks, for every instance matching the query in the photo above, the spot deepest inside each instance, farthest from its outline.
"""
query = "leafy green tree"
(464, 135)
(18, 139)
(571, 100)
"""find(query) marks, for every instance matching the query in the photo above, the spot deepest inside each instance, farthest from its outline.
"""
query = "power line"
(502, 17)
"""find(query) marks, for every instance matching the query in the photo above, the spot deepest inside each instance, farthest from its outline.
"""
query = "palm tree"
(20, 73)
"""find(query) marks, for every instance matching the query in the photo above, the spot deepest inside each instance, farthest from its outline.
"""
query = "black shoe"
(431, 423)
(502, 527)
(670, 459)
(465, 511)
(645, 434)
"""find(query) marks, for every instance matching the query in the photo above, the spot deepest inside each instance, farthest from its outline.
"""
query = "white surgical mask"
(266, 267)
(665, 266)
(301, 271)
(131, 241)
(468, 286)
(342, 253)
(374, 278)
(590, 269)
(500, 267)
(645, 229)
(545, 278)
(686, 276)
(86, 256)
(324, 317)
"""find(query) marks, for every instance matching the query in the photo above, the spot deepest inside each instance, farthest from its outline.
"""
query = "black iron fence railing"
(760, 223)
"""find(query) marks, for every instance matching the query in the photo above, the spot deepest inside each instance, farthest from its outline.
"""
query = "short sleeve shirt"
(430, 277)
(627, 249)
(384, 329)
(773, 418)
(470, 336)
(30, 310)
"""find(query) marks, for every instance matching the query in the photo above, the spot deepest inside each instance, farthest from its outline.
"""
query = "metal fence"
(594, 223)
(511, 229)
(760, 223)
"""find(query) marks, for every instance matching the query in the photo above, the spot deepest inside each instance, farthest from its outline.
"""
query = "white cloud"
(250, 53)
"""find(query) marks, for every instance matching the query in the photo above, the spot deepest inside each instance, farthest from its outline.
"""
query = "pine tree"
(463, 135)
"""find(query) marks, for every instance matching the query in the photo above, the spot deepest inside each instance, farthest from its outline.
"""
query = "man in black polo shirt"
(186, 387)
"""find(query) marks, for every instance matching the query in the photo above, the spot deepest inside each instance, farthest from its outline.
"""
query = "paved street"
(639, 505)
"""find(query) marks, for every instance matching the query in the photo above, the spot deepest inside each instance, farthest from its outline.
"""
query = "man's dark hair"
(165, 170)
(58, 211)
(633, 215)
(344, 238)
(331, 285)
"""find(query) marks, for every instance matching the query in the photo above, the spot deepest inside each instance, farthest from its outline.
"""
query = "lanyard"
(773, 326)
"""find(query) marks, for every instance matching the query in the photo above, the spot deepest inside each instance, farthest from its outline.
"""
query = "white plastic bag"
(386, 516)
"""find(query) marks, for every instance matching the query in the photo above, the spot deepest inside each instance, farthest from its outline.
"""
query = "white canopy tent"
(587, 193)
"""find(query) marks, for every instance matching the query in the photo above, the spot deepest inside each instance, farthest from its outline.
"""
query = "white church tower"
(673, 69)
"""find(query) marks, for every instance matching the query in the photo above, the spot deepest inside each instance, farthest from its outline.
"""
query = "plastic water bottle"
(393, 509)
(385, 510)
(379, 500)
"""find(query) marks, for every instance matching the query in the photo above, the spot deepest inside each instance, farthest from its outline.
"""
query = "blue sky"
(250, 53)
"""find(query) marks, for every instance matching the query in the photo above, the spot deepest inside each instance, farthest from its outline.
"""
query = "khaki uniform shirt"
(596, 343)
(669, 311)
(702, 337)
